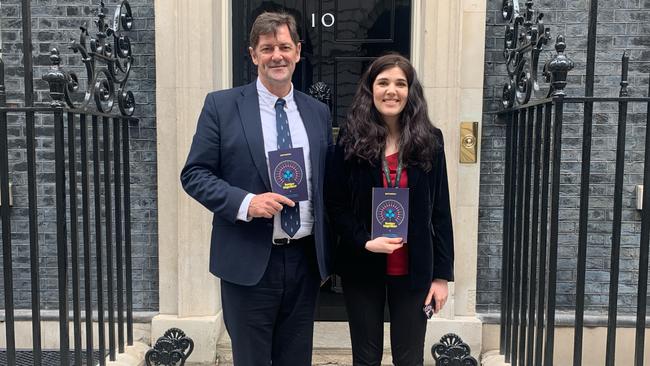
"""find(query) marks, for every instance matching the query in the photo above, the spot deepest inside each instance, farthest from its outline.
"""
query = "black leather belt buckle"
(283, 241)
(291, 242)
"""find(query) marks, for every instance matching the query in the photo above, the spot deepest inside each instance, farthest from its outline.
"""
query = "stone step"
(321, 357)
(332, 344)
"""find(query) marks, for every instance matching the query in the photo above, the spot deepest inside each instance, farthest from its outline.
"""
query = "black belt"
(292, 242)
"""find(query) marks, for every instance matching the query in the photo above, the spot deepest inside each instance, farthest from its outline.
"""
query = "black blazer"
(227, 160)
(430, 239)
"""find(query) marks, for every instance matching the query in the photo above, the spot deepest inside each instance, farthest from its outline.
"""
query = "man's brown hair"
(268, 22)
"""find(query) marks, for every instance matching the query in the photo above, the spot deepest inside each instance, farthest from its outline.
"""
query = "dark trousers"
(364, 301)
(272, 323)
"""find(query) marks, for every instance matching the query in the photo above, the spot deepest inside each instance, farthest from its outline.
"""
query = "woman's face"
(389, 92)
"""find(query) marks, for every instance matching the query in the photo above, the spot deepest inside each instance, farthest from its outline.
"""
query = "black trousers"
(364, 301)
(272, 323)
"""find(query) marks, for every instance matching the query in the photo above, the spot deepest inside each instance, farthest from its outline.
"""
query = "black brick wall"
(54, 23)
(622, 24)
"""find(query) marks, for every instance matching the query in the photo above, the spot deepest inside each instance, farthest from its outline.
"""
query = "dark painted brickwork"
(54, 23)
(623, 24)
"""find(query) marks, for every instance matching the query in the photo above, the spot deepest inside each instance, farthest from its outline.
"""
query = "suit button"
(269, 224)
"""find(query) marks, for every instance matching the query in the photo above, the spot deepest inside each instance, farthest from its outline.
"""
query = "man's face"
(276, 56)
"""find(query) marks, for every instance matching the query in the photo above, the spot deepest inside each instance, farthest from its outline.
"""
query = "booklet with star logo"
(390, 213)
(288, 174)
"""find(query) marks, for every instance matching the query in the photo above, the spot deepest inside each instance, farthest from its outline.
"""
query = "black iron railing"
(532, 194)
(91, 160)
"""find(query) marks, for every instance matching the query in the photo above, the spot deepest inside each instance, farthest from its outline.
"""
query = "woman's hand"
(438, 292)
(384, 245)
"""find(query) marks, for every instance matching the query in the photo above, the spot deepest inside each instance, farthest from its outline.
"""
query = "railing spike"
(624, 68)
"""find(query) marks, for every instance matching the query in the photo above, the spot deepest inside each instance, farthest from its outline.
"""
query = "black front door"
(339, 39)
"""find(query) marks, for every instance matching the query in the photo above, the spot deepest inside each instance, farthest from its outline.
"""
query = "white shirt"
(299, 139)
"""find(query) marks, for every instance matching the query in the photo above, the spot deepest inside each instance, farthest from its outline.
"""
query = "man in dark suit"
(270, 252)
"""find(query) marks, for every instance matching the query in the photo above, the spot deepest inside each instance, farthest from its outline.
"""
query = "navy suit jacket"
(227, 161)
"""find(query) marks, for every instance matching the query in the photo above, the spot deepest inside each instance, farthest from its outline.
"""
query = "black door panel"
(362, 21)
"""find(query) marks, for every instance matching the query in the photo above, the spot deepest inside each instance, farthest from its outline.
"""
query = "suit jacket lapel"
(377, 175)
(312, 125)
(249, 113)
(414, 174)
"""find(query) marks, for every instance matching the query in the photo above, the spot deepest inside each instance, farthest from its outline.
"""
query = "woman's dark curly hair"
(363, 133)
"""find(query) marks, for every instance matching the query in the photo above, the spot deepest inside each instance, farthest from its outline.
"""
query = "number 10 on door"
(327, 20)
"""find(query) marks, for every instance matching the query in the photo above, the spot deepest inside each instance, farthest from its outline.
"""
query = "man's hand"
(267, 204)
(438, 292)
(384, 245)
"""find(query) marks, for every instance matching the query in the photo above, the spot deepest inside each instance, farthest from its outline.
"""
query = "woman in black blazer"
(388, 124)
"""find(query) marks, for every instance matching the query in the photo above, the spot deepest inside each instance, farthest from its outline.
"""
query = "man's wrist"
(242, 214)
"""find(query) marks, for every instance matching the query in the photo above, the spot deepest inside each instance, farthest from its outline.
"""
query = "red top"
(397, 263)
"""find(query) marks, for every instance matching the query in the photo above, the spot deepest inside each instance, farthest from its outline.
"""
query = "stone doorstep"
(332, 342)
(320, 357)
(332, 346)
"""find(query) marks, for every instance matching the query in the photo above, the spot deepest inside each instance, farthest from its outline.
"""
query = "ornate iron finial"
(557, 69)
(57, 79)
(524, 39)
(322, 92)
(624, 83)
(451, 350)
(170, 349)
(108, 63)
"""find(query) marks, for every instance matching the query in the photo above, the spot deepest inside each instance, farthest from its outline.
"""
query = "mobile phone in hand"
(429, 310)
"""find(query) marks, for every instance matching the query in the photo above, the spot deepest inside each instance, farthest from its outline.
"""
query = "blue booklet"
(390, 213)
(288, 174)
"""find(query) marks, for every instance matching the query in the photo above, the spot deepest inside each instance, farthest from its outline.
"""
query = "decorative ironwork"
(452, 351)
(524, 40)
(322, 92)
(528, 328)
(108, 65)
(171, 348)
(557, 69)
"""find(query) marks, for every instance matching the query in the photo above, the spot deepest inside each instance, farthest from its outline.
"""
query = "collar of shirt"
(269, 98)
